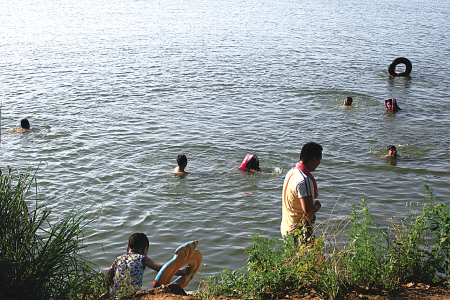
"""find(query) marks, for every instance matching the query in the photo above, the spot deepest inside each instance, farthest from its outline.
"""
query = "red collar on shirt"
(300, 166)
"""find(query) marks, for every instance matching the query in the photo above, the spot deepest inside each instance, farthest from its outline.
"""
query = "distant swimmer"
(182, 163)
(348, 101)
(250, 164)
(392, 152)
(391, 105)
(392, 155)
(24, 126)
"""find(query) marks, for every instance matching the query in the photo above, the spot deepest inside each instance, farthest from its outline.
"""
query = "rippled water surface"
(115, 90)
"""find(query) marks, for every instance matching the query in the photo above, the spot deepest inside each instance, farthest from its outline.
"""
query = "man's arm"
(309, 206)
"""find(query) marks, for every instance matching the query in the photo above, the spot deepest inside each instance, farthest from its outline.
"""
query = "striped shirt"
(296, 185)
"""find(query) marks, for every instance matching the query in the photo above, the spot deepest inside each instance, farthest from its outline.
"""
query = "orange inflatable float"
(185, 255)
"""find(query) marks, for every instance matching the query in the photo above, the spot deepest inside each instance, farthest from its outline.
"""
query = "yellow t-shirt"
(296, 185)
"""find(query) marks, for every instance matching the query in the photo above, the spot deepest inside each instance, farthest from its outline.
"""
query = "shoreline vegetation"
(43, 258)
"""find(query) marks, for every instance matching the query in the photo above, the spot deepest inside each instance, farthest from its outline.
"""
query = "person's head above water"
(182, 160)
(391, 105)
(250, 162)
(392, 151)
(182, 163)
(138, 242)
(348, 101)
(25, 124)
(311, 155)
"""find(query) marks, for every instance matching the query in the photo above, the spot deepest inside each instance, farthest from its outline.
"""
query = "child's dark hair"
(25, 124)
(253, 163)
(138, 241)
(309, 151)
(391, 147)
(181, 160)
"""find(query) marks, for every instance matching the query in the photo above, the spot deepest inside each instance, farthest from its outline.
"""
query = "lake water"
(115, 90)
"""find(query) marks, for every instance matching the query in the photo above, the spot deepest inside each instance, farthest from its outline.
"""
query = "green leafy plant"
(40, 259)
(415, 248)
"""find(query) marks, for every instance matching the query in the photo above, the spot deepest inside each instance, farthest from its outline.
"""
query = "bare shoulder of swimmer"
(177, 171)
(20, 130)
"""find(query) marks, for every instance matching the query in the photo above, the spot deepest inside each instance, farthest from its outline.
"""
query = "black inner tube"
(397, 61)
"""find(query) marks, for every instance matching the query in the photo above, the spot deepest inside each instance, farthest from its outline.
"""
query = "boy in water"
(127, 270)
(250, 164)
(392, 152)
(391, 105)
(24, 126)
(348, 101)
(182, 163)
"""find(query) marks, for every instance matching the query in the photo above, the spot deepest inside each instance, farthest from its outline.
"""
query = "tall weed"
(415, 248)
(40, 259)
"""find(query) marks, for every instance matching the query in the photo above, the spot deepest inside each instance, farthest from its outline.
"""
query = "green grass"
(39, 258)
(416, 248)
(42, 257)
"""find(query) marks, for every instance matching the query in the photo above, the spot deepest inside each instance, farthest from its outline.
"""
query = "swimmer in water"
(250, 164)
(24, 126)
(348, 101)
(392, 152)
(391, 105)
(182, 163)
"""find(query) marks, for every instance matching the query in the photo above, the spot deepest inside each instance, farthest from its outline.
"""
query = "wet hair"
(393, 102)
(253, 163)
(138, 241)
(309, 151)
(181, 160)
(25, 124)
(350, 99)
(391, 147)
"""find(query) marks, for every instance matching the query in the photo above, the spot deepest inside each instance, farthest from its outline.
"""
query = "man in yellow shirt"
(299, 192)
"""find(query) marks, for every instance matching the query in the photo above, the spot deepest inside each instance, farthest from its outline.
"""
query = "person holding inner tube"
(127, 270)
(299, 206)
(250, 164)
(391, 105)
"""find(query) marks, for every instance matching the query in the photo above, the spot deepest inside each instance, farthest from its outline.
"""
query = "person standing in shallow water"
(299, 206)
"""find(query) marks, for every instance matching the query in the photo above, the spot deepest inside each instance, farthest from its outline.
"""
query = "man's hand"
(317, 204)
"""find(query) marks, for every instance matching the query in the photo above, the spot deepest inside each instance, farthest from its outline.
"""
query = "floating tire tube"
(398, 61)
(185, 255)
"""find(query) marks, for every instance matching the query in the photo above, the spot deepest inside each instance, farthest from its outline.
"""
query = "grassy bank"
(41, 257)
(416, 249)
